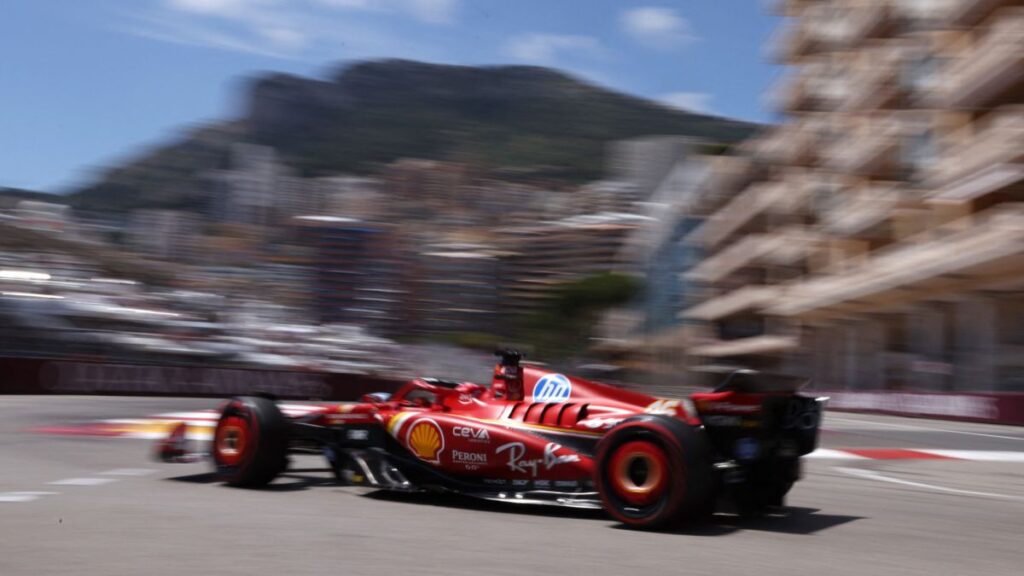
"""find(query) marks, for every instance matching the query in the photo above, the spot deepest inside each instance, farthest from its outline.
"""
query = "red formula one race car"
(536, 436)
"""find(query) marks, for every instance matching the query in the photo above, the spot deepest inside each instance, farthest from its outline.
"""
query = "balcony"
(856, 211)
(789, 144)
(725, 176)
(866, 149)
(766, 344)
(816, 31)
(783, 247)
(876, 81)
(989, 160)
(740, 300)
(739, 211)
(868, 19)
(991, 68)
(967, 254)
(971, 12)
(790, 94)
(738, 255)
(827, 29)
(812, 88)
(789, 43)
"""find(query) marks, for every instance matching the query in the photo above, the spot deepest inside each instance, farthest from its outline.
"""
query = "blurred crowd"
(54, 304)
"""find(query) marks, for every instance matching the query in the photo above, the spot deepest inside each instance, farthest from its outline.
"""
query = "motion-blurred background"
(390, 216)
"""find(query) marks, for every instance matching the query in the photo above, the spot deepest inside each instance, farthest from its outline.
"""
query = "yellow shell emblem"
(425, 440)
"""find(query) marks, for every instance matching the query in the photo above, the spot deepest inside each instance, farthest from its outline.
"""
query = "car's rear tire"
(653, 471)
(250, 442)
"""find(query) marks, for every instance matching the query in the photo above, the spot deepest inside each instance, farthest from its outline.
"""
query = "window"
(919, 152)
(920, 73)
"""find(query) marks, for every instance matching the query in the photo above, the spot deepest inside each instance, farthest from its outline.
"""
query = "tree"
(566, 326)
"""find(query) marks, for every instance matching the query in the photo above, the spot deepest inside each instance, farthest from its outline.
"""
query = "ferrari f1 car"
(536, 436)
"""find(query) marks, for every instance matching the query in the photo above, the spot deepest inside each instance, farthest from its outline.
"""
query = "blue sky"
(86, 84)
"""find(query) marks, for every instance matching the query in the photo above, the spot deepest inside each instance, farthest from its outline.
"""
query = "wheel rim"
(231, 440)
(638, 473)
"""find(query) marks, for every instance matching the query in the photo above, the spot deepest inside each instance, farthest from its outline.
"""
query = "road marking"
(915, 454)
(201, 424)
(156, 421)
(916, 427)
(896, 454)
(128, 472)
(23, 496)
(871, 475)
(82, 481)
(980, 455)
(200, 415)
(830, 454)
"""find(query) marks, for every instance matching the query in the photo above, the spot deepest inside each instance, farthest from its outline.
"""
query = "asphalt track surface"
(100, 506)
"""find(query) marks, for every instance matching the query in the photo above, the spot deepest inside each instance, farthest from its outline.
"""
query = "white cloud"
(543, 48)
(224, 8)
(428, 11)
(656, 27)
(190, 34)
(283, 37)
(350, 4)
(265, 27)
(290, 28)
(434, 11)
(689, 101)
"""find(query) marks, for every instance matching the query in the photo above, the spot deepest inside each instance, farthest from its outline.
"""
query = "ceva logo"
(552, 388)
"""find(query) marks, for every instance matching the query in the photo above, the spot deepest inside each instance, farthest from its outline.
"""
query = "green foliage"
(567, 324)
(471, 340)
(595, 293)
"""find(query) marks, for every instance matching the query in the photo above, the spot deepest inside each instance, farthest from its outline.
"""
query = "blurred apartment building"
(361, 273)
(644, 163)
(458, 289)
(425, 189)
(259, 190)
(163, 234)
(875, 239)
(45, 216)
(651, 327)
(538, 258)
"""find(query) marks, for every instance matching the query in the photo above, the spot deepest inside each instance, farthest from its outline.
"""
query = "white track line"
(915, 427)
(199, 435)
(128, 472)
(830, 454)
(978, 455)
(871, 475)
(23, 496)
(972, 455)
(82, 481)
(201, 415)
(195, 423)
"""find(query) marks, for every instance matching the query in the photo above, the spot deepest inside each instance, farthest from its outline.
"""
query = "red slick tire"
(652, 471)
(250, 442)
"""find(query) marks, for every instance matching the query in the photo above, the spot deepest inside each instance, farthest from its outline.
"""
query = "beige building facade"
(875, 239)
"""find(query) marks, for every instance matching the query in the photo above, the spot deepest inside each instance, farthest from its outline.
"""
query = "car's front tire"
(250, 442)
(653, 471)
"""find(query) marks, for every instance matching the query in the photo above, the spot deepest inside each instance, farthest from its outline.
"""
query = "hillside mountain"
(535, 121)
(9, 197)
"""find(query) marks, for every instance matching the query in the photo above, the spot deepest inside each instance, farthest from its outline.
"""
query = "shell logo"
(425, 440)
